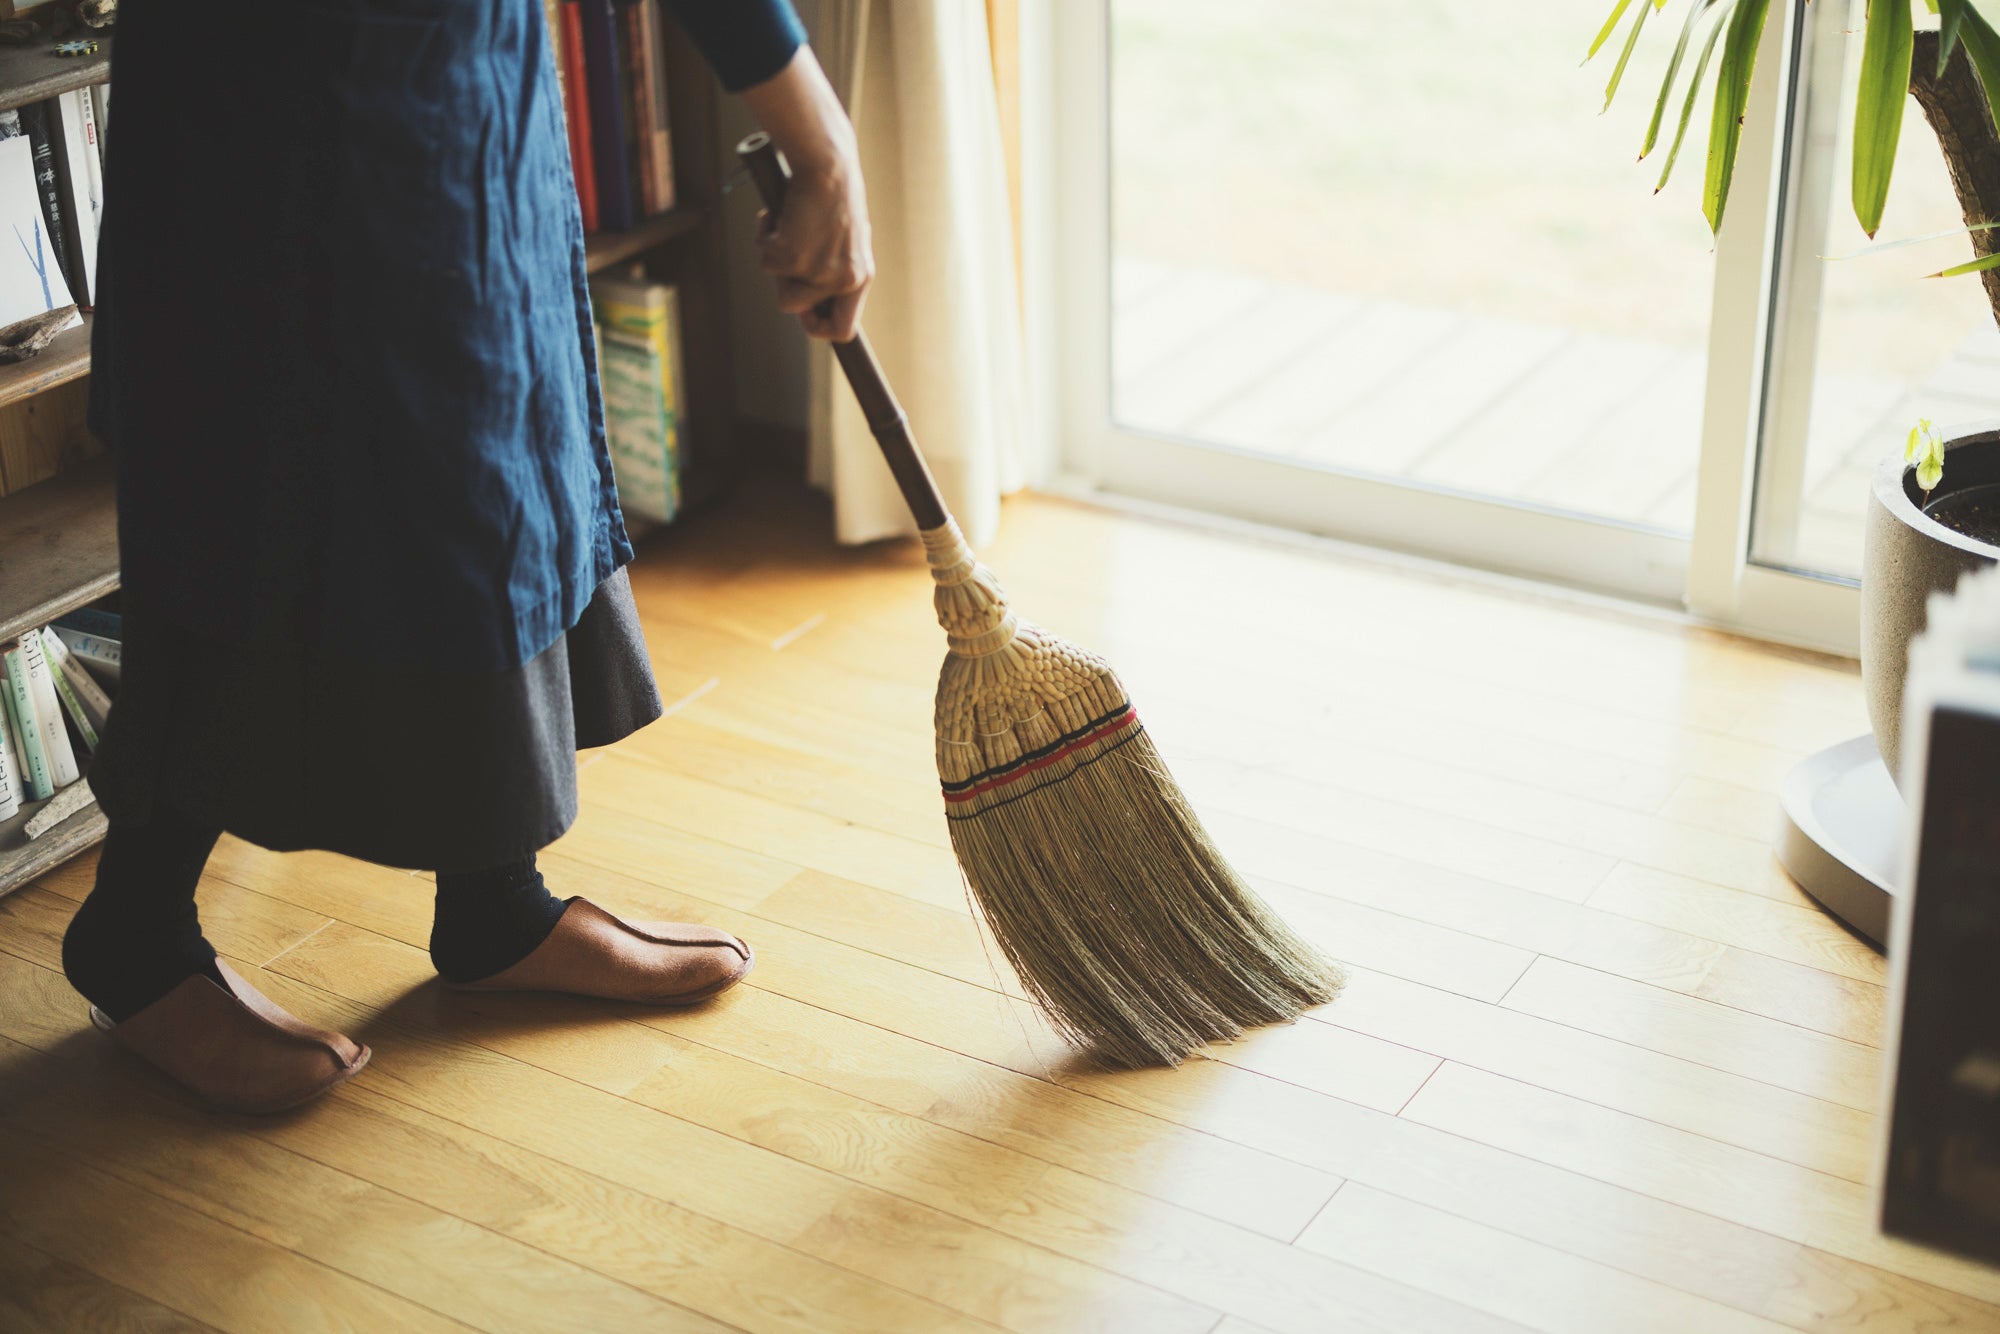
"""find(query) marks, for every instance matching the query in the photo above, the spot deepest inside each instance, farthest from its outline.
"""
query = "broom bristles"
(1108, 898)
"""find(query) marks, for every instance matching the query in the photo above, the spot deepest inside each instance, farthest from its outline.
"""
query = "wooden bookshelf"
(23, 858)
(59, 536)
(605, 249)
(66, 358)
(58, 551)
(34, 73)
(685, 247)
(58, 548)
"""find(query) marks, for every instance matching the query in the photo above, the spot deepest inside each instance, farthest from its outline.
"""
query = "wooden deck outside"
(1585, 422)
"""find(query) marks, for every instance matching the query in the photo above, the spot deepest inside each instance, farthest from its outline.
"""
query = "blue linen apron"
(343, 351)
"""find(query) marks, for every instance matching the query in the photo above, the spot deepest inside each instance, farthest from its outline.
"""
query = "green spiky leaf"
(1701, 9)
(1732, 94)
(1886, 49)
(1687, 106)
(1951, 14)
(1980, 265)
(1604, 33)
(1625, 56)
(1903, 241)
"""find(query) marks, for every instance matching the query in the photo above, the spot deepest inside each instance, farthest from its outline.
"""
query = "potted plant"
(1935, 511)
(1931, 518)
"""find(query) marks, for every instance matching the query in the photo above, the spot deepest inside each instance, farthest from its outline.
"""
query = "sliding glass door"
(1866, 349)
(1382, 272)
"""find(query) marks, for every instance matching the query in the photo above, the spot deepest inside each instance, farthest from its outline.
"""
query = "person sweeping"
(372, 554)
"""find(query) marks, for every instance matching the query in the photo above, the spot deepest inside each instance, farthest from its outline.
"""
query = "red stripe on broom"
(1128, 719)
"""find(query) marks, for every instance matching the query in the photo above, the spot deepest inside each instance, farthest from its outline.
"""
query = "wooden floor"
(1599, 1066)
(1586, 423)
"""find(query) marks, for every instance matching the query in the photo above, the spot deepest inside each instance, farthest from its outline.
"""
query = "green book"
(639, 369)
(12, 790)
(67, 693)
(637, 427)
(27, 727)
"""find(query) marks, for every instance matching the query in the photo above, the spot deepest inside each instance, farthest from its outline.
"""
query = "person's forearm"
(817, 246)
(798, 109)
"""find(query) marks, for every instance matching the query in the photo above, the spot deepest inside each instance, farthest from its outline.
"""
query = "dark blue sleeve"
(745, 41)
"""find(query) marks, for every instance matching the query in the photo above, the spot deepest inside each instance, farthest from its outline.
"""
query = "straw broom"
(1107, 896)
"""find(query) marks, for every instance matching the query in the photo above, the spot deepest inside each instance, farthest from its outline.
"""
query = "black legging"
(138, 935)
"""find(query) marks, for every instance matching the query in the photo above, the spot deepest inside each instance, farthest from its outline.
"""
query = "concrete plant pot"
(1908, 555)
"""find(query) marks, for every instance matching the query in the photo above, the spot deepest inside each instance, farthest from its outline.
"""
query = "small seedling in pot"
(1925, 448)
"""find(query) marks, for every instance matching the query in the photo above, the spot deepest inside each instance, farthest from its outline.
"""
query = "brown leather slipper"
(593, 953)
(236, 1049)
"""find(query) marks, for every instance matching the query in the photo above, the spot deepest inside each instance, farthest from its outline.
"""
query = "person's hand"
(818, 246)
(818, 250)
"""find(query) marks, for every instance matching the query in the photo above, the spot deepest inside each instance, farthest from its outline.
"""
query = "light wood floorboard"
(1599, 1065)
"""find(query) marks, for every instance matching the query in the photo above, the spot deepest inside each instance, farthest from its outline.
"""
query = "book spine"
(638, 106)
(101, 655)
(66, 695)
(647, 434)
(92, 621)
(79, 156)
(552, 20)
(576, 108)
(100, 106)
(68, 673)
(35, 123)
(94, 159)
(661, 129)
(12, 793)
(672, 378)
(27, 731)
(607, 115)
(89, 694)
(49, 713)
(635, 425)
(72, 204)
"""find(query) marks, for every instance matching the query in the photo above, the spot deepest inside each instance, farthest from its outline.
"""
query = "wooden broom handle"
(885, 415)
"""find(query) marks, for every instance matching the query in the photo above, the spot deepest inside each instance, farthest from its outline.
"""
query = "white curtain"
(944, 313)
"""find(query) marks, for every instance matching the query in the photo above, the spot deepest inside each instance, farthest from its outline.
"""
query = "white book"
(102, 656)
(12, 790)
(90, 696)
(49, 713)
(93, 133)
(19, 702)
(85, 176)
(100, 106)
(31, 282)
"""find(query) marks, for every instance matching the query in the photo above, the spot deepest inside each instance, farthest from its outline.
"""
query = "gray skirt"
(294, 748)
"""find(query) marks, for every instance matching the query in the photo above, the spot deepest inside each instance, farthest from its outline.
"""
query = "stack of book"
(52, 200)
(612, 67)
(55, 692)
(639, 366)
(1939, 1152)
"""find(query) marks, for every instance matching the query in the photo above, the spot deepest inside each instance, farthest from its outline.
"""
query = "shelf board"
(603, 249)
(21, 860)
(64, 359)
(34, 73)
(58, 547)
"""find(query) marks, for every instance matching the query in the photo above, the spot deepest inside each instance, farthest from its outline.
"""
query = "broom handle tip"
(886, 419)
